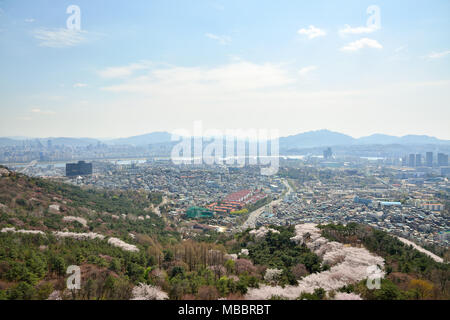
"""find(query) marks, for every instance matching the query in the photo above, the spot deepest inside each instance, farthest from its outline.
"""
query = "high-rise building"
(442, 160)
(327, 153)
(429, 159)
(78, 169)
(418, 160)
(404, 161)
(412, 160)
(445, 171)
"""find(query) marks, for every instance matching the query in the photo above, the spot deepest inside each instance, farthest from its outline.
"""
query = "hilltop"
(45, 205)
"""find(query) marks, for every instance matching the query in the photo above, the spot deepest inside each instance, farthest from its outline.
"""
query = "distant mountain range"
(324, 138)
(81, 142)
(141, 140)
(310, 139)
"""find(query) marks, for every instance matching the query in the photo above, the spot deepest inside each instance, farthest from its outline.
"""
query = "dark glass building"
(412, 160)
(429, 159)
(418, 160)
(78, 169)
(442, 160)
(327, 153)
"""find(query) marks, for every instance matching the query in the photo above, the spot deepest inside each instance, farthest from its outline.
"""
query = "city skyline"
(313, 66)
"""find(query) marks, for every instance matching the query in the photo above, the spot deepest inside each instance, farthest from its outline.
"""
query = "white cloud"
(223, 40)
(291, 108)
(31, 20)
(123, 71)
(312, 32)
(358, 30)
(400, 49)
(304, 71)
(24, 118)
(80, 85)
(438, 83)
(362, 43)
(43, 112)
(59, 38)
(234, 77)
(437, 55)
(400, 53)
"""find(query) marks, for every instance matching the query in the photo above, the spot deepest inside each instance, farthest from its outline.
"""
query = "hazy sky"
(142, 66)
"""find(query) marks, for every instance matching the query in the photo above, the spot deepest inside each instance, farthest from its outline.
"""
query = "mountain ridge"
(309, 139)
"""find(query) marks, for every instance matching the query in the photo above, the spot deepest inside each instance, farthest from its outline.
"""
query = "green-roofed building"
(198, 212)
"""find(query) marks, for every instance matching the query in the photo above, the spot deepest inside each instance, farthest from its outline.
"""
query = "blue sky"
(143, 66)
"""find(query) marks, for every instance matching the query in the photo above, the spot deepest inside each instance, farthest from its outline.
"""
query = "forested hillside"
(410, 274)
(125, 251)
